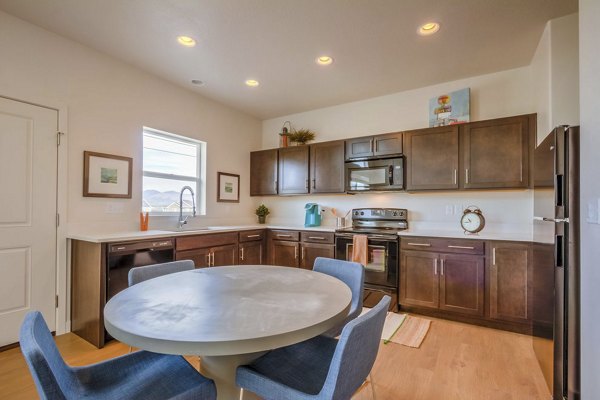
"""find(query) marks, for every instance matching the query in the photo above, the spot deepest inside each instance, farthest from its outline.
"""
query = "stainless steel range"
(381, 226)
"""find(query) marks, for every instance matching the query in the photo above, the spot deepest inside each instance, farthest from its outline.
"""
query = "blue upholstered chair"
(353, 275)
(322, 367)
(140, 274)
(140, 375)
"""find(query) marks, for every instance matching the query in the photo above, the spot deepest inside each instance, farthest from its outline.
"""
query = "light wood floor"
(456, 361)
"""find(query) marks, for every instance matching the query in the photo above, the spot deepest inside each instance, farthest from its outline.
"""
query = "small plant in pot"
(262, 211)
(302, 136)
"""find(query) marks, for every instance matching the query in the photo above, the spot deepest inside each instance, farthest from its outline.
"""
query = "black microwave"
(380, 174)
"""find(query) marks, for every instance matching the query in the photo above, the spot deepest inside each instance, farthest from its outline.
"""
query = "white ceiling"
(374, 43)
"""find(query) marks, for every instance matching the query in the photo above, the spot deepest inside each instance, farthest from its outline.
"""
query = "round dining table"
(228, 315)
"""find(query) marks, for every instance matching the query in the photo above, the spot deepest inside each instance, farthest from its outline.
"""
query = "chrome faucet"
(183, 221)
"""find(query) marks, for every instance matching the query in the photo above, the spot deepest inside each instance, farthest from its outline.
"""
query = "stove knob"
(395, 213)
(362, 213)
(355, 212)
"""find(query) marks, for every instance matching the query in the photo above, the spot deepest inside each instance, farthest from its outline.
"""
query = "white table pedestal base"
(221, 369)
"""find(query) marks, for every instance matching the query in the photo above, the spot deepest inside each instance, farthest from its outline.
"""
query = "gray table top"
(227, 310)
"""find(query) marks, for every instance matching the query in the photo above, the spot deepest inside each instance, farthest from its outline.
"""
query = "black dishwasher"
(124, 256)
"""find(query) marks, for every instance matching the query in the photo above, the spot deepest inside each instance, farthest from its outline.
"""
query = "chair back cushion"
(355, 353)
(140, 274)
(52, 377)
(351, 273)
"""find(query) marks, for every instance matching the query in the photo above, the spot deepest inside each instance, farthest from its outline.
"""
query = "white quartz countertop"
(104, 237)
(459, 234)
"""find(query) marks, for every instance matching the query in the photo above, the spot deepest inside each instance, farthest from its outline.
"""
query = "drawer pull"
(287, 236)
(420, 244)
(251, 236)
(316, 237)
(461, 247)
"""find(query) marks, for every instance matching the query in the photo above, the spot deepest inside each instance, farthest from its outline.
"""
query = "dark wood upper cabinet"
(419, 279)
(293, 170)
(327, 167)
(432, 158)
(379, 145)
(462, 283)
(390, 143)
(263, 172)
(510, 281)
(359, 147)
(496, 153)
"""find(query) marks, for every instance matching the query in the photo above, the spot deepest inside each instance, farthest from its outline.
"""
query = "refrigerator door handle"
(559, 250)
(555, 220)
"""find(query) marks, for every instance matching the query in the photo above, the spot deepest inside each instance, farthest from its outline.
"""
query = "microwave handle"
(391, 175)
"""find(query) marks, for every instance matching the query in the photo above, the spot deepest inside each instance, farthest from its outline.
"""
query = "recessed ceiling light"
(429, 28)
(324, 60)
(186, 41)
(252, 83)
(197, 82)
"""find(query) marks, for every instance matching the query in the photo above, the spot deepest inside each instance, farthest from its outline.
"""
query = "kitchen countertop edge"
(159, 234)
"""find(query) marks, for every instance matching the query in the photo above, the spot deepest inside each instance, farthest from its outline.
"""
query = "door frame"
(62, 284)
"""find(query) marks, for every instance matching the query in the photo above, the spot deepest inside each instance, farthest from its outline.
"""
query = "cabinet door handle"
(455, 176)
(442, 268)
(303, 255)
(420, 244)
(252, 236)
(493, 256)
(275, 186)
(435, 266)
(296, 252)
(242, 254)
(371, 145)
(461, 247)
(467, 175)
(316, 237)
(314, 183)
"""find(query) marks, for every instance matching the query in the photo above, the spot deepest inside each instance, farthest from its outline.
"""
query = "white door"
(28, 175)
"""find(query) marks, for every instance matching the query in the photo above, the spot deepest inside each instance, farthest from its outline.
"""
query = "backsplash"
(506, 211)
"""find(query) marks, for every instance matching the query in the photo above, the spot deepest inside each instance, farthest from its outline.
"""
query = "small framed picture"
(106, 175)
(228, 189)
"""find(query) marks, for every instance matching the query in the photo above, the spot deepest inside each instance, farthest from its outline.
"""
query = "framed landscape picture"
(228, 188)
(106, 175)
(450, 108)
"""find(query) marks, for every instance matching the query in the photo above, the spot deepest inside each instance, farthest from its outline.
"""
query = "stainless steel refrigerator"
(555, 311)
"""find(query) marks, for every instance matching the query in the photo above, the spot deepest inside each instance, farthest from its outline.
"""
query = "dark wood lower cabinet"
(200, 257)
(419, 280)
(510, 282)
(284, 253)
(310, 251)
(462, 284)
(225, 255)
(251, 253)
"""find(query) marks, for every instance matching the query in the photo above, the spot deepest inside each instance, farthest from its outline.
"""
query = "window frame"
(200, 179)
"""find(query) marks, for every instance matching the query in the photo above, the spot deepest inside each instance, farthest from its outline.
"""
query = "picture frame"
(106, 175)
(228, 188)
(450, 108)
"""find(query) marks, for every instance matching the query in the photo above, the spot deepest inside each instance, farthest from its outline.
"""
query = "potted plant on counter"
(262, 211)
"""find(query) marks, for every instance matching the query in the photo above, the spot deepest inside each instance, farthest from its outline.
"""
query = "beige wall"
(108, 103)
(589, 60)
(495, 95)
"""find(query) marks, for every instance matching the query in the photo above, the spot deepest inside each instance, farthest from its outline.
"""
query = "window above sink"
(171, 162)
